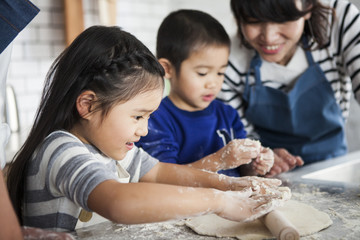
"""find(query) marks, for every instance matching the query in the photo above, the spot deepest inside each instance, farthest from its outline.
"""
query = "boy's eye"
(221, 74)
(138, 117)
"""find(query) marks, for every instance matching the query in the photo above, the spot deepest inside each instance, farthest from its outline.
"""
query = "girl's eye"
(202, 74)
(221, 74)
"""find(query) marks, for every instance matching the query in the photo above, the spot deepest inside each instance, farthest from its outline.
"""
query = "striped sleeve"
(61, 175)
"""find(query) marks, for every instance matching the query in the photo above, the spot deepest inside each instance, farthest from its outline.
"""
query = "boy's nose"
(211, 84)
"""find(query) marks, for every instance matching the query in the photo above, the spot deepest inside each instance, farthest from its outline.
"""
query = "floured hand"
(245, 206)
(257, 184)
(278, 197)
(239, 152)
(264, 162)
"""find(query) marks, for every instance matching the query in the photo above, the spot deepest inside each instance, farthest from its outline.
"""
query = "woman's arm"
(9, 224)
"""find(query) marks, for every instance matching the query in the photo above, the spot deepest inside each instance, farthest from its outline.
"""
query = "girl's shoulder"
(61, 134)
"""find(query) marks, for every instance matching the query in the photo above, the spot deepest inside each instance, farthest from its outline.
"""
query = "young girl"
(80, 155)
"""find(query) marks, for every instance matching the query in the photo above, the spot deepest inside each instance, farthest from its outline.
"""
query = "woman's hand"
(246, 205)
(283, 162)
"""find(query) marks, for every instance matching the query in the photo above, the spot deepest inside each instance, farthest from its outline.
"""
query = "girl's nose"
(142, 130)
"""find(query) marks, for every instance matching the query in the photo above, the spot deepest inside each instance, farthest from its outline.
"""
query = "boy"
(191, 126)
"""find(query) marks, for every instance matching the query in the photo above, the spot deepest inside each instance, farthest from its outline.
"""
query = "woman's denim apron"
(307, 121)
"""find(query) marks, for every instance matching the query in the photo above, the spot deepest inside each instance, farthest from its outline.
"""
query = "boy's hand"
(264, 162)
(239, 152)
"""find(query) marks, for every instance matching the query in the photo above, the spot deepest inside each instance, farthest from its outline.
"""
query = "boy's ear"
(85, 103)
(168, 67)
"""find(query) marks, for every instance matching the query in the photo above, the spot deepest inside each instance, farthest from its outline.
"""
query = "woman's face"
(275, 42)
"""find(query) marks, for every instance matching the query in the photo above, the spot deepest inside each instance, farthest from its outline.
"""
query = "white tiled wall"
(36, 47)
(43, 39)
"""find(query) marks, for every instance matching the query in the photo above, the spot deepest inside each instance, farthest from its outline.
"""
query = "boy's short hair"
(186, 30)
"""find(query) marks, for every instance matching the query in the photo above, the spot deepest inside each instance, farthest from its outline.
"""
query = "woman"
(292, 68)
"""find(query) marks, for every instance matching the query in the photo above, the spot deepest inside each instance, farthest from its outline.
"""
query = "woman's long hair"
(281, 11)
(106, 60)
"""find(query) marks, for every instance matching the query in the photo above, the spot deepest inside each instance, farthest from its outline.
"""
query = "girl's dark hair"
(280, 11)
(106, 60)
(184, 31)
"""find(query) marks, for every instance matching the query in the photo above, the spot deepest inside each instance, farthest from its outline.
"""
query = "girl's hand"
(245, 206)
(239, 152)
(283, 162)
(257, 184)
(264, 162)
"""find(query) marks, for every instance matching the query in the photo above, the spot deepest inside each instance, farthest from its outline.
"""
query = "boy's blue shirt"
(178, 136)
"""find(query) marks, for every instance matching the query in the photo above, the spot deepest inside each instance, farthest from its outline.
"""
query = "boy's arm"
(236, 153)
(183, 175)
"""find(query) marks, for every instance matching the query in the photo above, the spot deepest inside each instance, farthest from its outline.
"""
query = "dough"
(306, 219)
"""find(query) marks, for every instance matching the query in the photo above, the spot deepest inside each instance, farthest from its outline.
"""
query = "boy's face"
(200, 78)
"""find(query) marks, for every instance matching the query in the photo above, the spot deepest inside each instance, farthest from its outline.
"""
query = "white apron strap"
(90, 218)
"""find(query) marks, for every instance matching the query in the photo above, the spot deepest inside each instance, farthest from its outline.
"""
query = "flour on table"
(306, 219)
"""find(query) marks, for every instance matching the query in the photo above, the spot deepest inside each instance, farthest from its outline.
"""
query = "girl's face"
(275, 42)
(200, 78)
(126, 122)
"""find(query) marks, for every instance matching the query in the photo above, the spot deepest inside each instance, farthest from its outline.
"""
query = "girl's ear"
(168, 67)
(85, 103)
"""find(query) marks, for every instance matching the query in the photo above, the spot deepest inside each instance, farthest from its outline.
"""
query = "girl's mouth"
(129, 145)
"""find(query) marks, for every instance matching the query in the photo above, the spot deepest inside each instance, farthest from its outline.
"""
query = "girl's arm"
(131, 203)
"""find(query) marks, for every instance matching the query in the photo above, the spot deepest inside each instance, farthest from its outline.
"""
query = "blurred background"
(59, 21)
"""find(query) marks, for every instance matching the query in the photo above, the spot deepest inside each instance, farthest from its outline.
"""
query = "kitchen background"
(43, 39)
